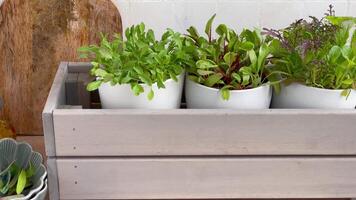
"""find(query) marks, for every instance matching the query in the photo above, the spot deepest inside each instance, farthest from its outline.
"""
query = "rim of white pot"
(154, 84)
(317, 88)
(232, 91)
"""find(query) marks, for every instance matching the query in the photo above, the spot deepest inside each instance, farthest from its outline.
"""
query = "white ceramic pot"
(121, 96)
(297, 95)
(200, 96)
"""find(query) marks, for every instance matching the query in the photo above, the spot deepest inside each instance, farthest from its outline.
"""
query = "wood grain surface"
(203, 132)
(34, 37)
(206, 178)
(38, 145)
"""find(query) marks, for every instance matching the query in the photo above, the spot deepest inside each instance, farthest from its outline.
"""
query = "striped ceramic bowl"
(22, 154)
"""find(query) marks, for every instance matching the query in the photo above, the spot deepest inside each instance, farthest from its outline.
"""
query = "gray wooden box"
(192, 154)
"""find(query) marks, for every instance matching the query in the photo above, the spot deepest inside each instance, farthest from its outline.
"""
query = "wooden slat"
(204, 132)
(71, 88)
(79, 67)
(192, 178)
(75, 89)
(83, 94)
(53, 184)
(55, 98)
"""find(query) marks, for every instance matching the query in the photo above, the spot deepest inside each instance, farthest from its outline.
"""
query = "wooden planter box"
(192, 154)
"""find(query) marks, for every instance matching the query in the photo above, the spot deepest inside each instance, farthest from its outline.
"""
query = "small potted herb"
(318, 61)
(139, 72)
(227, 72)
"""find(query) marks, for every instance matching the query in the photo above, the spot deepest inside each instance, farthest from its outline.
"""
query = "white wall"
(180, 14)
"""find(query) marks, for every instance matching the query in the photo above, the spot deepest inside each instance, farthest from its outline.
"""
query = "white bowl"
(296, 95)
(200, 96)
(121, 96)
(22, 154)
(41, 195)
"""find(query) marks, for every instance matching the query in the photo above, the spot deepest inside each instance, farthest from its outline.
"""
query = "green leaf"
(230, 58)
(334, 53)
(145, 78)
(225, 94)
(100, 72)
(262, 55)
(245, 79)
(276, 48)
(106, 54)
(205, 64)
(21, 182)
(150, 95)
(193, 78)
(347, 52)
(353, 42)
(137, 89)
(277, 87)
(348, 81)
(173, 76)
(248, 35)
(346, 93)
(193, 33)
(247, 46)
(222, 29)
(160, 84)
(233, 44)
(94, 85)
(253, 58)
(166, 35)
(337, 20)
(126, 79)
(30, 171)
(150, 36)
(138, 69)
(6, 184)
(202, 72)
(213, 79)
(237, 77)
(95, 64)
(141, 27)
(128, 33)
(8, 168)
(208, 26)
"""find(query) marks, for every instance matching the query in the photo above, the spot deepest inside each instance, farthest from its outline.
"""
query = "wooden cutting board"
(35, 36)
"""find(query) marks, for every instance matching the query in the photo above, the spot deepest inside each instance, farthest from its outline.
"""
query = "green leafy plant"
(140, 59)
(14, 180)
(229, 62)
(319, 53)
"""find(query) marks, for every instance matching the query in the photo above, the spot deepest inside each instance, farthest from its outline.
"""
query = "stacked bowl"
(22, 155)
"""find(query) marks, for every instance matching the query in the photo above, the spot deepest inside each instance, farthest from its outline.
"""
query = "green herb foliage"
(14, 180)
(141, 59)
(229, 62)
(318, 52)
